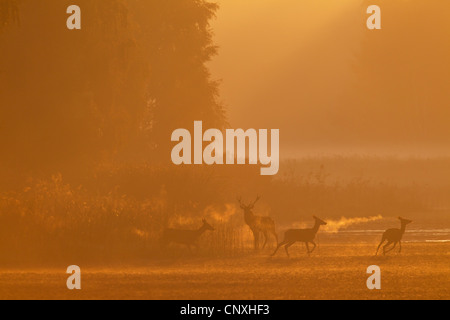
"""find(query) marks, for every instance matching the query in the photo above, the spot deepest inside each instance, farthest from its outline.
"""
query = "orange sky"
(297, 66)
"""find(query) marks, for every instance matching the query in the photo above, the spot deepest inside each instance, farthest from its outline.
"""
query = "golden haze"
(86, 176)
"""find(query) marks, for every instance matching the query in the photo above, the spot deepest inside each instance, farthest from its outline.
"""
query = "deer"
(186, 237)
(307, 236)
(258, 224)
(393, 236)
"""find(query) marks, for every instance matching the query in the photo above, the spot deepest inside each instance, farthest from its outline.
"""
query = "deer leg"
(400, 249)
(255, 239)
(385, 246)
(278, 247)
(393, 247)
(286, 247)
(307, 248)
(382, 241)
(265, 240)
(314, 244)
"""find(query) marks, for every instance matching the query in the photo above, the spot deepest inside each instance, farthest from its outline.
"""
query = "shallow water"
(368, 236)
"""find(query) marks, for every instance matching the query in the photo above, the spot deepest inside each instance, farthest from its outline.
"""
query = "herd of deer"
(266, 226)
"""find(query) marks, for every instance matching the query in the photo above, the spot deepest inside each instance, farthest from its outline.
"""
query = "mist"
(313, 70)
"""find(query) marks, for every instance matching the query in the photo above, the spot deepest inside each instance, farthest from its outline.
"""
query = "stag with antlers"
(258, 224)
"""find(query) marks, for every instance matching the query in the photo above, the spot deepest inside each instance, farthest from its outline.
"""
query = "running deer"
(258, 224)
(393, 236)
(186, 237)
(302, 235)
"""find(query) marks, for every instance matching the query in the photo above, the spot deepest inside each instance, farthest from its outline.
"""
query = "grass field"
(422, 271)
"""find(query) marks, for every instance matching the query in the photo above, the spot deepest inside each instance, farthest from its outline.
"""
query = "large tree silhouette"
(113, 90)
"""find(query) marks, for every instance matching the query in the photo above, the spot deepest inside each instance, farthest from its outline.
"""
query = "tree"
(113, 90)
(180, 89)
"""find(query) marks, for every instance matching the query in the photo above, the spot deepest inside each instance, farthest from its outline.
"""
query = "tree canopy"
(115, 89)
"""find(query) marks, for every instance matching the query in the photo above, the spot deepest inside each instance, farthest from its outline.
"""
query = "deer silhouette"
(302, 235)
(258, 224)
(393, 236)
(186, 237)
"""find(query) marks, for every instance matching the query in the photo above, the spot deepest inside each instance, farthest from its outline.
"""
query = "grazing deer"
(302, 235)
(186, 237)
(393, 236)
(258, 224)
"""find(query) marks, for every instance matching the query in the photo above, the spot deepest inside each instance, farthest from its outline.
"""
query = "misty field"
(110, 223)
(333, 272)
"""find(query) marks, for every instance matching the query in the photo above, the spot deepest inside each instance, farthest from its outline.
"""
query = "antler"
(253, 204)
(239, 199)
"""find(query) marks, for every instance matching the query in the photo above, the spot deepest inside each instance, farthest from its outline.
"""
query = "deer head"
(320, 221)
(207, 226)
(404, 221)
(249, 207)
